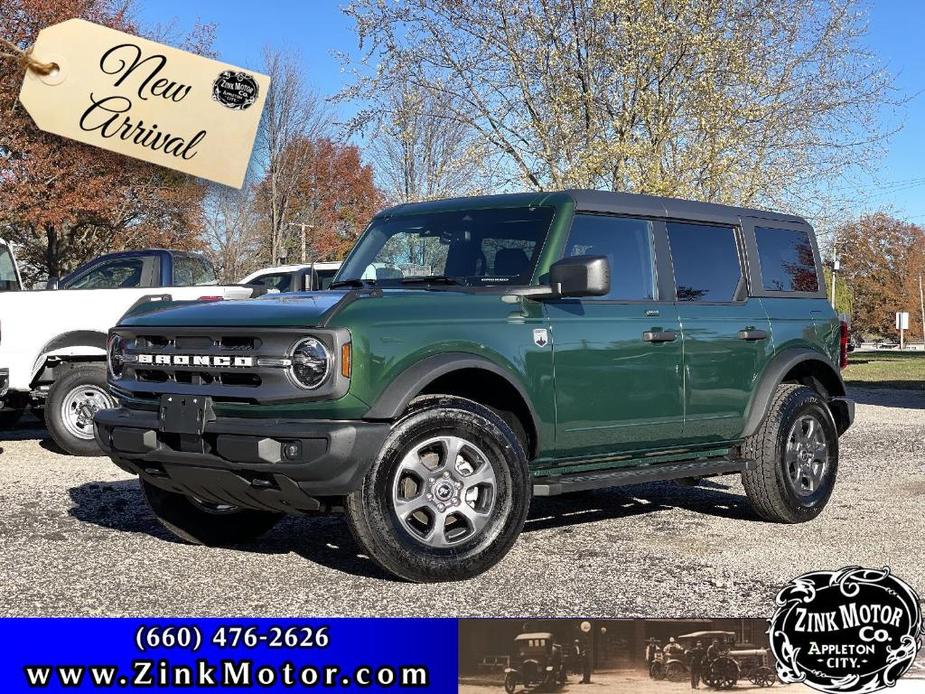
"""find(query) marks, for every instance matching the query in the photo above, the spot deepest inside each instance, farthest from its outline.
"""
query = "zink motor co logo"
(853, 630)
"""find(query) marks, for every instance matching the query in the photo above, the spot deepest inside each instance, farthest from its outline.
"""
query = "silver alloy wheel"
(78, 409)
(806, 455)
(444, 491)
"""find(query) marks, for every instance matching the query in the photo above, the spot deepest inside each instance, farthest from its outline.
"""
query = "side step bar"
(658, 472)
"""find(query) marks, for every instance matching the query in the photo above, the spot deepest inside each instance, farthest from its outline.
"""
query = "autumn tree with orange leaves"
(334, 194)
(63, 202)
(881, 260)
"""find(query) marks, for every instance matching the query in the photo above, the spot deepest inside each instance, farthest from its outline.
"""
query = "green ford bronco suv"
(474, 353)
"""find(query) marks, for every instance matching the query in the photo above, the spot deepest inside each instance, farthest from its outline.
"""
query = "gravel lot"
(77, 539)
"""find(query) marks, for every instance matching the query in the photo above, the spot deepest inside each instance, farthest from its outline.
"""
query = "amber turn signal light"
(345, 360)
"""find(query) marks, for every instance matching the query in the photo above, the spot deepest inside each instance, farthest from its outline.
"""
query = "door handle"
(659, 336)
(751, 335)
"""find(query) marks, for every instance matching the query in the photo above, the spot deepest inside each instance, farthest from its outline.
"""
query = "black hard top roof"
(601, 201)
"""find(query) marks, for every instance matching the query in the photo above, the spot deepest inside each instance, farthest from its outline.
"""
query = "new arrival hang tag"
(145, 100)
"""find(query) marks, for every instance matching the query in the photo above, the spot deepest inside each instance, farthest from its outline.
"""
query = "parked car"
(294, 278)
(149, 268)
(559, 342)
(53, 342)
(537, 661)
(10, 281)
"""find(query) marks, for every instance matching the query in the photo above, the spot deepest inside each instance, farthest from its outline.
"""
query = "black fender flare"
(773, 375)
(401, 391)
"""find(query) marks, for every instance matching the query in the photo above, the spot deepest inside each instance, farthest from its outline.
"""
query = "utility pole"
(303, 227)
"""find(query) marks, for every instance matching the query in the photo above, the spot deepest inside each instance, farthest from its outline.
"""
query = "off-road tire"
(377, 528)
(765, 482)
(79, 375)
(190, 520)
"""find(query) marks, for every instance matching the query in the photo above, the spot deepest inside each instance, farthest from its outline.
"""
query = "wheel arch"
(797, 365)
(464, 375)
(78, 345)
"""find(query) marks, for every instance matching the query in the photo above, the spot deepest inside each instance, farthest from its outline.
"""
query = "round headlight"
(115, 356)
(311, 362)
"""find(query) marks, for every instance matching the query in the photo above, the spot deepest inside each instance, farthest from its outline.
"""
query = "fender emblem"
(540, 337)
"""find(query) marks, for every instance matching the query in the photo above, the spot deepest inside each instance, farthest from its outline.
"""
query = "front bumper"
(266, 464)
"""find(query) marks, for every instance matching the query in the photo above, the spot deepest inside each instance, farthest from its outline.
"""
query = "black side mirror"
(580, 275)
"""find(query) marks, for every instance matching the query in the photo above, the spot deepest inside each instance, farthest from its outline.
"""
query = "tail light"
(210, 298)
(843, 345)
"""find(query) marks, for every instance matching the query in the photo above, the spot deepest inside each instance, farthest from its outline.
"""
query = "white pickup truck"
(53, 342)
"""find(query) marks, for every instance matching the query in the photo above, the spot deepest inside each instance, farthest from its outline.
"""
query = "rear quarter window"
(190, 271)
(787, 260)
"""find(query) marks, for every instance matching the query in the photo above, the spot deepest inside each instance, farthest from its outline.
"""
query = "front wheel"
(447, 496)
(72, 402)
(794, 457)
(204, 523)
(510, 683)
(675, 671)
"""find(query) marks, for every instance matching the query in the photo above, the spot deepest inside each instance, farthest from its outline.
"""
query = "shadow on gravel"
(904, 394)
(324, 540)
(709, 497)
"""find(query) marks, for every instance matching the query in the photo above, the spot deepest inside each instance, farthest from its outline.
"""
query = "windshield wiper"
(351, 283)
(430, 279)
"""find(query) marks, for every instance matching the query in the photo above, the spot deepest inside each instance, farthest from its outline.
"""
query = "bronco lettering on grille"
(195, 360)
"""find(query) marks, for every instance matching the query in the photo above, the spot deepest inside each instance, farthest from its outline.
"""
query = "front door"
(617, 357)
(727, 336)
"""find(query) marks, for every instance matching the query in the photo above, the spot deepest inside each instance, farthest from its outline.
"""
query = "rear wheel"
(448, 495)
(72, 402)
(764, 677)
(205, 523)
(795, 457)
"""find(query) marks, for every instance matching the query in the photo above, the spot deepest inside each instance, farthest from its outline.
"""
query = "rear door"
(786, 271)
(727, 336)
(618, 357)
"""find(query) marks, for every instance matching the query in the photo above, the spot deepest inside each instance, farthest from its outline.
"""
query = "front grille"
(223, 364)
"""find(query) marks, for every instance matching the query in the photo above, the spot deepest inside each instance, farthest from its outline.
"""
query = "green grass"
(883, 369)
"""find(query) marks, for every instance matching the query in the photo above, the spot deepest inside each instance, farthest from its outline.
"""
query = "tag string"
(25, 59)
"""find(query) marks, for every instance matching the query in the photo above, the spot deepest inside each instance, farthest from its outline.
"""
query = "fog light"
(292, 450)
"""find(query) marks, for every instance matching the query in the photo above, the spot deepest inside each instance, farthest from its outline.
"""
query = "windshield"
(8, 279)
(475, 248)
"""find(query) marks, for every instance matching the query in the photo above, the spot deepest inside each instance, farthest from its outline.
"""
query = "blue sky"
(315, 29)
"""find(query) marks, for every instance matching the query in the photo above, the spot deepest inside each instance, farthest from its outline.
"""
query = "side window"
(116, 274)
(706, 261)
(325, 277)
(8, 279)
(787, 261)
(627, 243)
(279, 281)
(189, 271)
